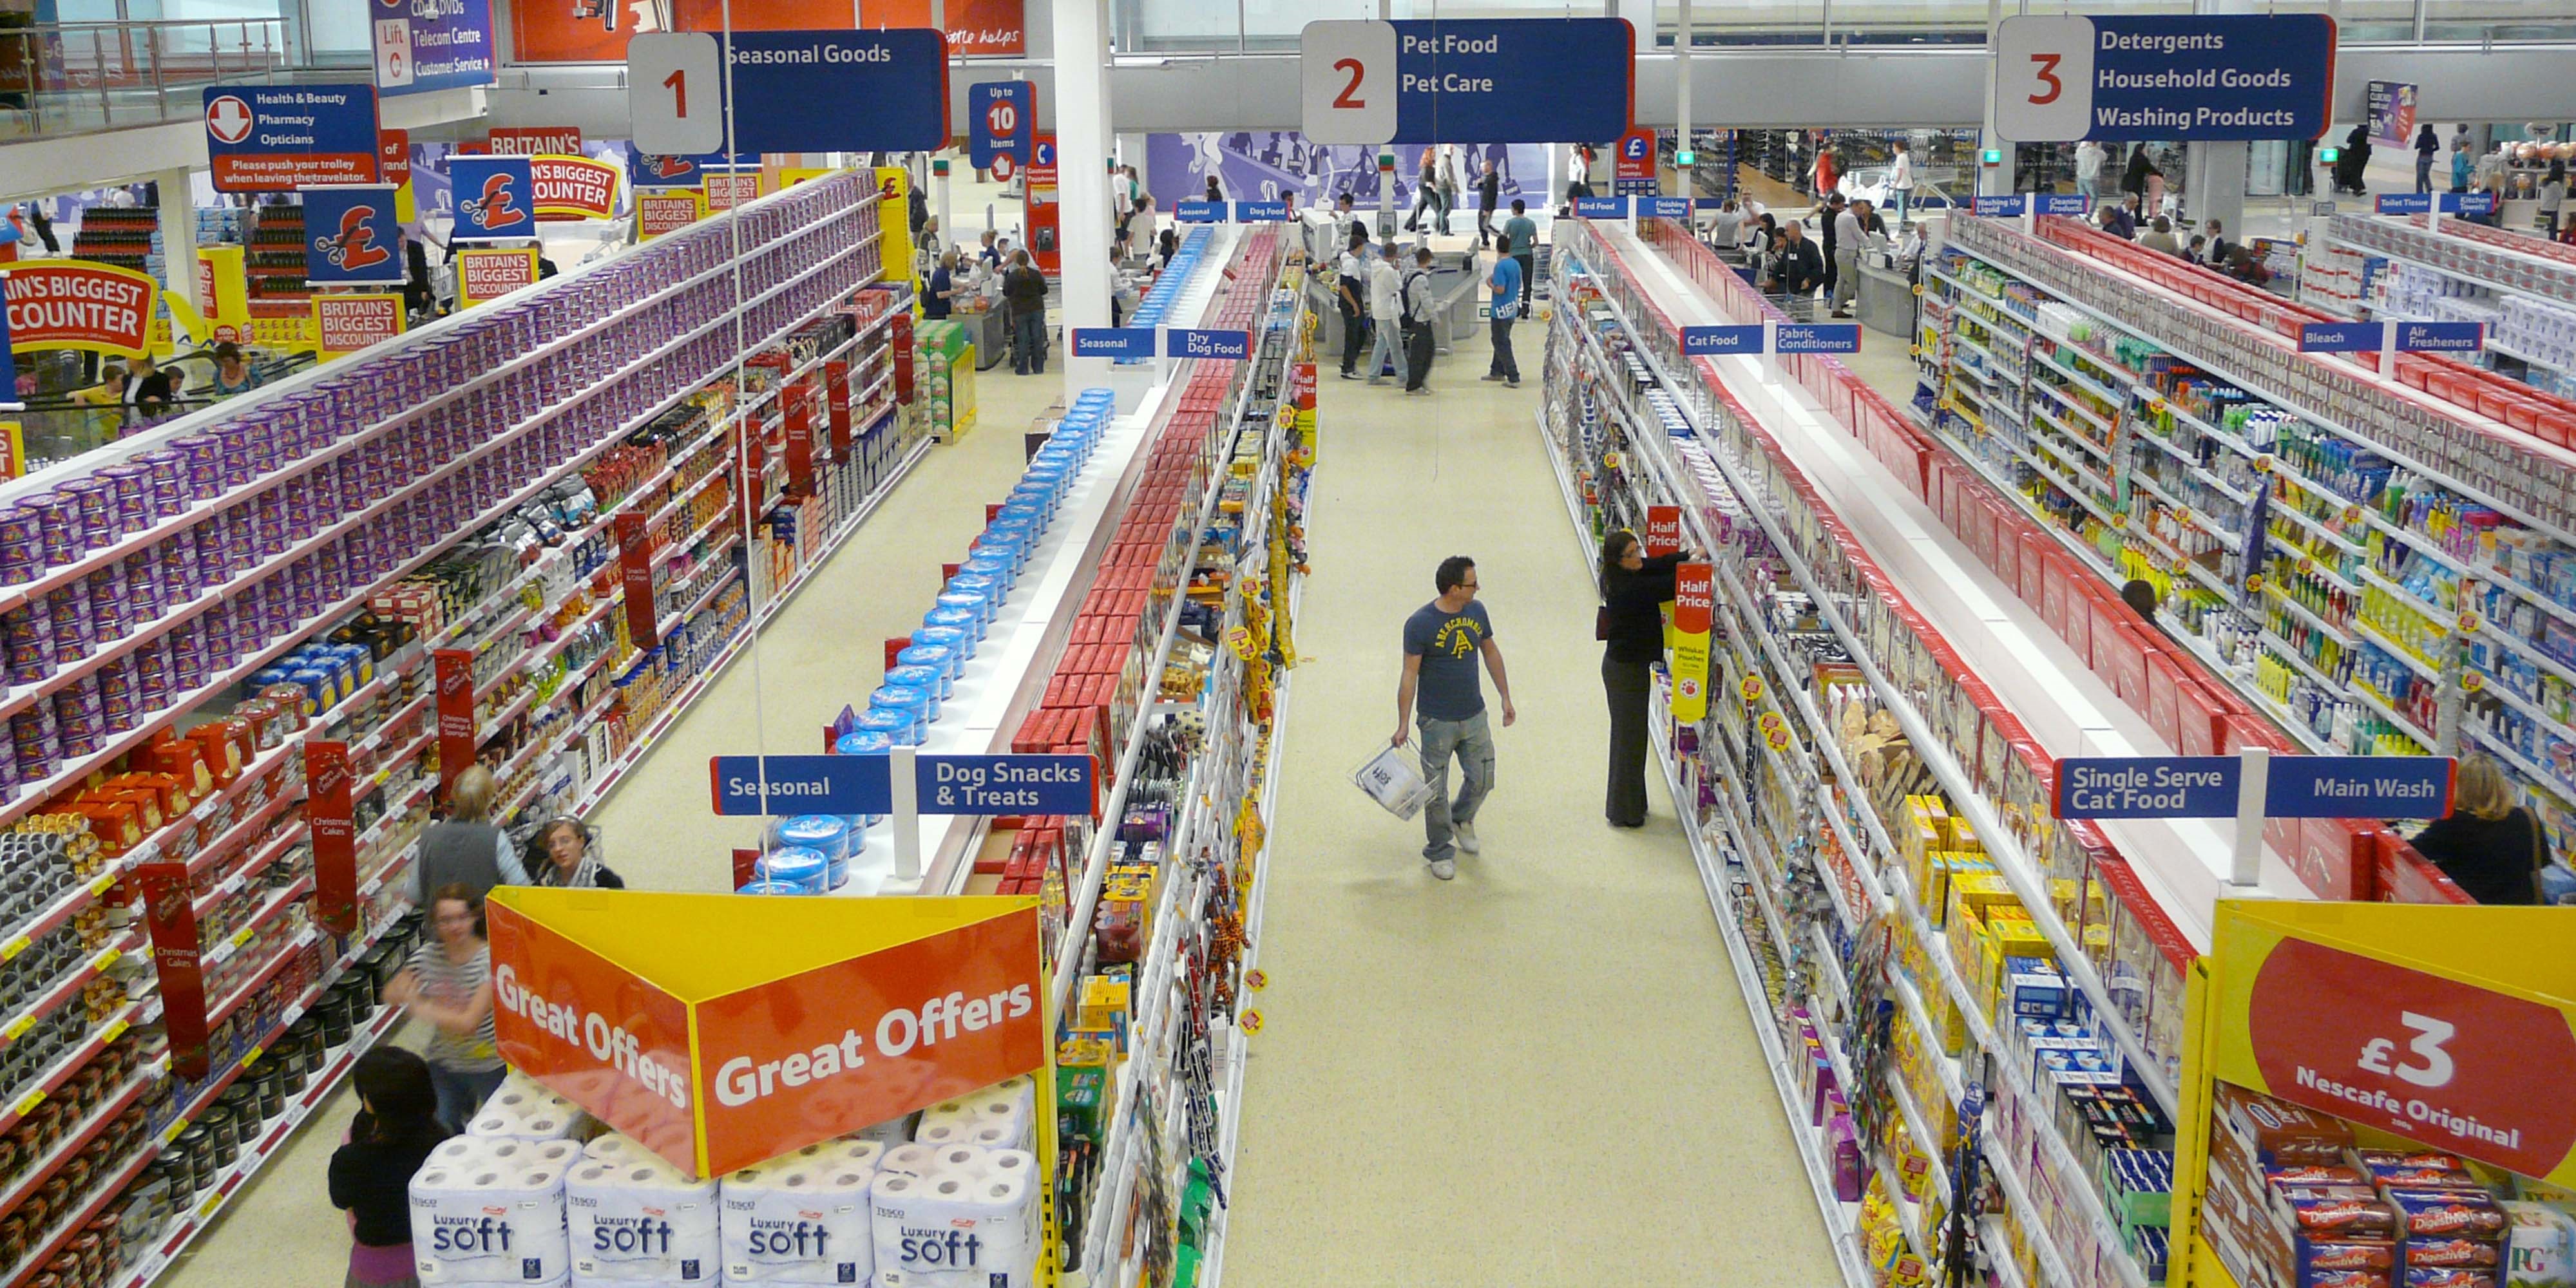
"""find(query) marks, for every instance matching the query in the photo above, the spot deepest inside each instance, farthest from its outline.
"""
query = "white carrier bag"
(1393, 778)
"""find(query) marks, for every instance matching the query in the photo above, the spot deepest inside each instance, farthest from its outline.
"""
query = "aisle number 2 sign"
(1348, 72)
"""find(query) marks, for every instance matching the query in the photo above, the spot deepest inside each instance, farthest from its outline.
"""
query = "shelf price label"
(1663, 530)
(2318, 1013)
(27, 1103)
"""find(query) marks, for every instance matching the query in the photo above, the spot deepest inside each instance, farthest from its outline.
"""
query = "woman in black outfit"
(1633, 590)
(2489, 847)
(396, 1128)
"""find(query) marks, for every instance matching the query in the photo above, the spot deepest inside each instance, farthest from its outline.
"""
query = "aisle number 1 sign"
(2336, 1007)
(1694, 588)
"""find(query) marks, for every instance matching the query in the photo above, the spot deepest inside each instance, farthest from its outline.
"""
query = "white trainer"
(1467, 838)
(1445, 869)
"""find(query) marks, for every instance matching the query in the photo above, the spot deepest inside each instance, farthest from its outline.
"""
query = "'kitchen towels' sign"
(722, 1030)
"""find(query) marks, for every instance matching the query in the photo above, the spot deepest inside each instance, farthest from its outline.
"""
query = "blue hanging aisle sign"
(2062, 203)
(1121, 343)
(2148, 787)
(277, 138)
(2408, 337)
(1186, 342)
(1004, 784)
(1719, 341)
(785, 84)
(1261, 212)
(2294, 787)
(1511, 80)
(943, 784)
(1816, 337)
(1198, 211)
(1663, 208)
(782, 785)
(2002, 206)
(1601, 207)
(2452, 203)
(2194, 78)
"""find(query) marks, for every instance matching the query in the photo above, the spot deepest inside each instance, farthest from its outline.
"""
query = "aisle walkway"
(1539, 1073)
(821, 652)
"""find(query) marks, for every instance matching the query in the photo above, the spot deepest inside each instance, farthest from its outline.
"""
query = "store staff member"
(1797, 269)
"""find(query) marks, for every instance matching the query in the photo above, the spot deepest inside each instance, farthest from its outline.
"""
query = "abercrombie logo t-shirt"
(1447, 643)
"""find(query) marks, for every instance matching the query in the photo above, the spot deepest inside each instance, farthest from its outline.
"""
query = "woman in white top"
(1140, 226)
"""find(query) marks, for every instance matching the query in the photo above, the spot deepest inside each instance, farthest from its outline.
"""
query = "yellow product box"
(1963, 836)
(2066, 894)
(1946, 867)
(1086, 1051)
(2018, 937)
(1103, 1004)
(1983, 895)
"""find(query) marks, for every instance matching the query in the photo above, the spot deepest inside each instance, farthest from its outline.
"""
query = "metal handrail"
(69, 78)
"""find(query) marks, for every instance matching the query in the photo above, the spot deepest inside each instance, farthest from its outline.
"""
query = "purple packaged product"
(277, 605)
(208, 541)
(188, 668)
(268, 510)
(178, 557)
(28, 633)
(143, 587)
(295, 501)
(129, 495)
(111, 614)
(221, 645)
(235, 456)
(91, 510)
(322, 488)
(58, 519)
(68, 606)
(169, 480)
(116, 679)
(241, 536)
(31, 733)
(22, 539)
(201, 461)
(152, 671)
(304, 589)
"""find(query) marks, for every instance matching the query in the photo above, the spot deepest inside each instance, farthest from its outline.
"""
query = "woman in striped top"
(449, 984)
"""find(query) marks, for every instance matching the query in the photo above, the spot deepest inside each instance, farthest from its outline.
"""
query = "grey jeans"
(1473, 744)
(1389, 342)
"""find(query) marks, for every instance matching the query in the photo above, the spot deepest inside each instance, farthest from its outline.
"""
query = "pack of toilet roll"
(956, 1216)
(803, 1218)
(528, 1110)
(634, 1218)
(1000, 1116)
(490, 1210)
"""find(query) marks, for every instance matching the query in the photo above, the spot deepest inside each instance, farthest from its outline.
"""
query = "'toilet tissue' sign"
(722, 1030)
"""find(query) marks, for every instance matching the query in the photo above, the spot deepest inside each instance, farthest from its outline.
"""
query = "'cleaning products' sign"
(722, 1030)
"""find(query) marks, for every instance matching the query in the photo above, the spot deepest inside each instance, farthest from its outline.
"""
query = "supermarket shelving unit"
(1743, 456)
(245, 844)
(2412, 617)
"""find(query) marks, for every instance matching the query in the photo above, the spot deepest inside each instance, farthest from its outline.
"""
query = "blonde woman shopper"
(465, 848)
(2490, 847)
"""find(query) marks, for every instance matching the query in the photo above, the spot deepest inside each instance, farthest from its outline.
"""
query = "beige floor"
(1539, 1073)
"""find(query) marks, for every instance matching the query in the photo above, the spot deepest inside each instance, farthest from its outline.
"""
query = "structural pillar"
(2214, 185)
(1082, 176)
(1993, 181)
(1682, 95)
(178, 237)
(1131, 151)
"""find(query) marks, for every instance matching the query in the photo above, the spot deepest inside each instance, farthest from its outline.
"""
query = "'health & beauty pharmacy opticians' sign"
(2197, 79)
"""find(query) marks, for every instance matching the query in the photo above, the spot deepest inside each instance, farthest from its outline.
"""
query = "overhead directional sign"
(2296, 787)
(351, 237)
(1493, 80)
(2450, 203)
(1261, 212)
(421, 47)
(782, 79)
(2197, 78)
(944, 784)
(2404, 337)
(1815, 337)
(1124, 342)
(1186, 342)
(277, 138)
(1005, 120)
(1718, 341)
(1652, 207)
(1198, 212)
(1601, 207)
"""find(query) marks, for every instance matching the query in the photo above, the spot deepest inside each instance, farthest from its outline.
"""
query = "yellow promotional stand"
(2440, 1031)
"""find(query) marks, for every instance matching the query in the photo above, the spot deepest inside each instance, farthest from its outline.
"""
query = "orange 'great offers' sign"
(722, 1030)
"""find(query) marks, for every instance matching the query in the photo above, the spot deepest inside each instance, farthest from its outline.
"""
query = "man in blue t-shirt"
(1442, 642)
(1504, 279)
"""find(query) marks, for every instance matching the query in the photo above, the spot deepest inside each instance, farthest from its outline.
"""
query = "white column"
(1993, 181)
(948, 231)
(178, 237)
(1082, 150)
(1131, 151)
(1682, 93)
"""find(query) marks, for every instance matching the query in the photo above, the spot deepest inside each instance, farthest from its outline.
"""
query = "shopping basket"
(1393, 779)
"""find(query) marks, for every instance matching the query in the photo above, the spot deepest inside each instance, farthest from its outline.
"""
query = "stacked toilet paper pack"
(526, 1109)
(956, 1216)
(1000, 1116)
(634, 1218)
(488, 1210)
(803, 1218)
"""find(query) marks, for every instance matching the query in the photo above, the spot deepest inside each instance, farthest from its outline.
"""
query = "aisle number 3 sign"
(2197, 79)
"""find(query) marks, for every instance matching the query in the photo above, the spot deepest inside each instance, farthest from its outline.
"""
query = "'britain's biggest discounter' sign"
(719, 1030)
